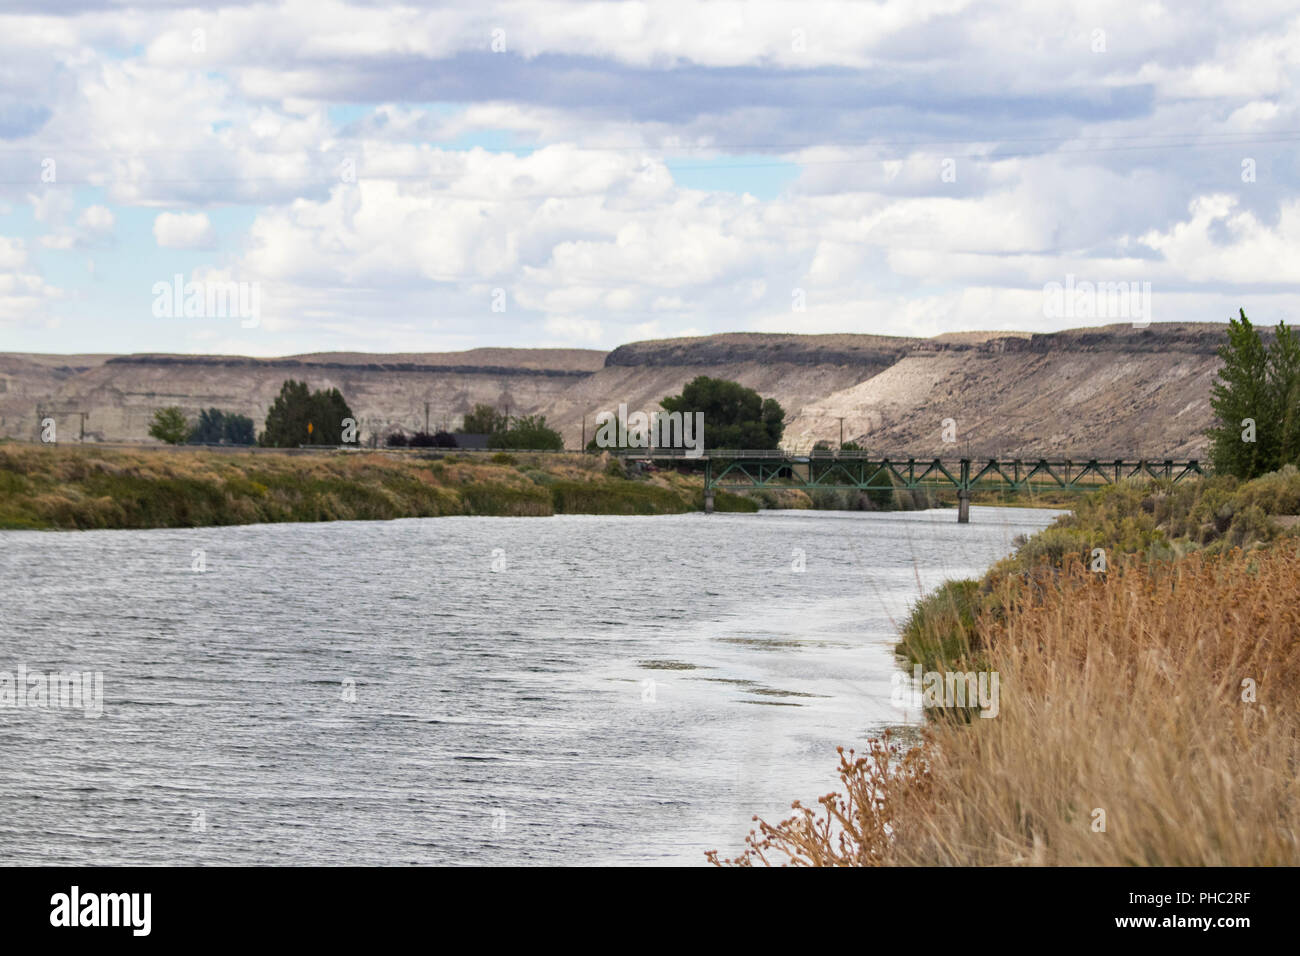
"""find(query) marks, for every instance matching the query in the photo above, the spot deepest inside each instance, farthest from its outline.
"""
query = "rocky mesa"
(1108, 391)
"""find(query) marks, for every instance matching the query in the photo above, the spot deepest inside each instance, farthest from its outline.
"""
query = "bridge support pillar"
(963, 493)
(708, 501)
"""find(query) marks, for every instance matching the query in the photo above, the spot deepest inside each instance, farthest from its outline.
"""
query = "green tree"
(238, 430)
(210, 429)
(170, 425)
(484, 420)
(1284, 391)
(529, 432)
(1240, 397)
(296, 408)
(619, 427)
(216, 427)
(328, 413)
(286, 422)
(734, 416)
(1256, 396)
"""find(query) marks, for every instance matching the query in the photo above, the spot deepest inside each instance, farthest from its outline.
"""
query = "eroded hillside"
(1107, 392)
(120, 393)
(1114, 392)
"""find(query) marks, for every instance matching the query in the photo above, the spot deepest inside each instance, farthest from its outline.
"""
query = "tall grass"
(84, 488)
(940, 631)
(1159, 695)
(1155, 520)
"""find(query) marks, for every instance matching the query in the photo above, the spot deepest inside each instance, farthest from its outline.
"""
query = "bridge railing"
(689, 454)
(822, 455)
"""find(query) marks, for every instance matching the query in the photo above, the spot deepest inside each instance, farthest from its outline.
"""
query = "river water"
(573, 689)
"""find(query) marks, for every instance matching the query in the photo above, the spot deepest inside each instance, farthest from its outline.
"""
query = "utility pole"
(841, 433)
(583, 446)
(83, 426)
(426, 418)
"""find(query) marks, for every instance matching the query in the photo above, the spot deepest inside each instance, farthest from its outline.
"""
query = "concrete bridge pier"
(963, 493)
(708, 501)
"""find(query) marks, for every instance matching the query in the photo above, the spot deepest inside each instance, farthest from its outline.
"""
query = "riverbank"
(78, 488)
(1150, 521)
(1144, 713)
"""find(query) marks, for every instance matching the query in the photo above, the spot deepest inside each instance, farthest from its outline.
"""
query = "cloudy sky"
(445, 176)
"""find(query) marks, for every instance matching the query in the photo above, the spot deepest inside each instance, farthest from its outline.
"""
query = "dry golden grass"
(1126, 693)
(86, 487)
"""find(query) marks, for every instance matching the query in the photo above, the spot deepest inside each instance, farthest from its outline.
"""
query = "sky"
(436, 177)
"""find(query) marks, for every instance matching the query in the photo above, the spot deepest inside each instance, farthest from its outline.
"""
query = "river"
(575, 689)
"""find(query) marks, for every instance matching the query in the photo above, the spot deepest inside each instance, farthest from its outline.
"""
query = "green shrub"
(1277, 493)
(614, 498)
(829, 499)
(940, 632)
(494, 499)
(727, 501)
(537, 476)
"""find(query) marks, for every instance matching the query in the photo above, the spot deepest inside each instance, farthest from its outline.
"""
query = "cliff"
(1106, 391)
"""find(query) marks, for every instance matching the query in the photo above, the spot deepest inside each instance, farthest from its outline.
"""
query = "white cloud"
(183, 230)
(575, 330)
(1249, 251)
(96, 220)
(1067, 161)
(24, 295)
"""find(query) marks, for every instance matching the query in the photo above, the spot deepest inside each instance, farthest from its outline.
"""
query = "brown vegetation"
(1158, 694)
(48, 487)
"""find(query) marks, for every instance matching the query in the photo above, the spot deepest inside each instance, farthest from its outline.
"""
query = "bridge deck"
(852, 469)
(742, 470)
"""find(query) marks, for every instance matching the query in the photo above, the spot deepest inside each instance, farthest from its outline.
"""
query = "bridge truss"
(738, 470)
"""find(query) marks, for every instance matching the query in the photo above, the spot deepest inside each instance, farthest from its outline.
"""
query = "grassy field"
(44, 487)
(1146, 710)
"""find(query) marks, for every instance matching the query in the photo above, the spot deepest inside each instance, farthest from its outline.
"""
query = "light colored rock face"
(642, 387)
(384, 391)
(1103, 393)
(1107, 392)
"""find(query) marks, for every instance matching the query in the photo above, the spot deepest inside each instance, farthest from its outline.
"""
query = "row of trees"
(439, 439)
(504, 431)
(214, 427)
(525, 432)
(735, 417)
(1256, 401)
(297, 417)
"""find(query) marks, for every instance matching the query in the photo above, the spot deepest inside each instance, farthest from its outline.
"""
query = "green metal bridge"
(740, 470)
